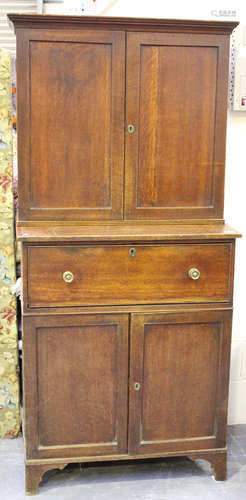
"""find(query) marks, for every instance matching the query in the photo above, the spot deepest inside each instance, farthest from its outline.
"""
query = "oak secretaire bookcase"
(127, 262)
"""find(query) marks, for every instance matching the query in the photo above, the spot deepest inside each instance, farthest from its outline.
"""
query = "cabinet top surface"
(126, 232)
(121, 23)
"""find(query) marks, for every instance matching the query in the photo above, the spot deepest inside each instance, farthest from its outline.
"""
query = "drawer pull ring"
(194, 273)
(132, 252)
(136, 386)
(68, 276)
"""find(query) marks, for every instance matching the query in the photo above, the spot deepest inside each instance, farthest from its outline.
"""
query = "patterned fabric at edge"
(9, 374)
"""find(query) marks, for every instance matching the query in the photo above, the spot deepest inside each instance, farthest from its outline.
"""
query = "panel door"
(176, 99)
(71, 124)
(76, 385)
(180, 362)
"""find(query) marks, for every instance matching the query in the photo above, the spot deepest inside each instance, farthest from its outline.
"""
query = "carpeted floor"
(163, 479)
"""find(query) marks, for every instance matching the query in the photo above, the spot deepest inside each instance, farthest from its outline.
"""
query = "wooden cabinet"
(127, 262)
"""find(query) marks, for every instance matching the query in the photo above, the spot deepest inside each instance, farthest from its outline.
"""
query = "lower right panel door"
(179, 376)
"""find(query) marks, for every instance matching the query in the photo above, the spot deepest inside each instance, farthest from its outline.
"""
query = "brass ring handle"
(194, 273)
(68, 276)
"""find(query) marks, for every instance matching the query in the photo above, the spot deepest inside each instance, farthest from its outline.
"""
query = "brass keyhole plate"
(130, 129)
(132, 252)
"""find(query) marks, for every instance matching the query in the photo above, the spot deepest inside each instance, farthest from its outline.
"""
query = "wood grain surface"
(78, 366)
(175, 158)
(106, 275)
(125, 232)
(76, 101)
(180, 365)
(36, 21)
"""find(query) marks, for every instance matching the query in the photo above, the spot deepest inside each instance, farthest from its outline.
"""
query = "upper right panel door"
(176, 102)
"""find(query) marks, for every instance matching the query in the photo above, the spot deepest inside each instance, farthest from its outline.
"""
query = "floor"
(163, 479)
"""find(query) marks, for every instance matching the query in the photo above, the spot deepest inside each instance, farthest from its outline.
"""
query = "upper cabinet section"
(176, 100)
(71, 125)
(121, 118)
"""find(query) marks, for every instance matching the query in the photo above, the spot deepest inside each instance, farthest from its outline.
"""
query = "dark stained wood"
(175, 158)
(76, 384)
(125, 232)
(109, 458)
(181, 361)
(218, 462)
(34, 472)
(121, 23)
(110, 275)
(34, 475)
(139, 308)
(76, 100)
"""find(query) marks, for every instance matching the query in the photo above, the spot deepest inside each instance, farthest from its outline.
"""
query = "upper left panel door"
(71, 89)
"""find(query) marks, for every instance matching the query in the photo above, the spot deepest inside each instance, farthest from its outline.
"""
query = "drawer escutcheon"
(132, 252)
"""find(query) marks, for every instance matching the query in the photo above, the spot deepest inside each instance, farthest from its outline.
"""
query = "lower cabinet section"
(112, 386)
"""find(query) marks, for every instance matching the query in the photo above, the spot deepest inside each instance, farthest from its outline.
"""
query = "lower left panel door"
(75, 385)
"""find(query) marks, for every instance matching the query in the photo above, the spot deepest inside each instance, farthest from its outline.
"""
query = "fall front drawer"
(124, 274)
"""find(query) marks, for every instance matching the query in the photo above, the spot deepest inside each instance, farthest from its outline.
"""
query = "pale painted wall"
(235, 191)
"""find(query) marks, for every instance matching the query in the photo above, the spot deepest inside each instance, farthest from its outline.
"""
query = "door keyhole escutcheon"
(130, 129)
(136, 386)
